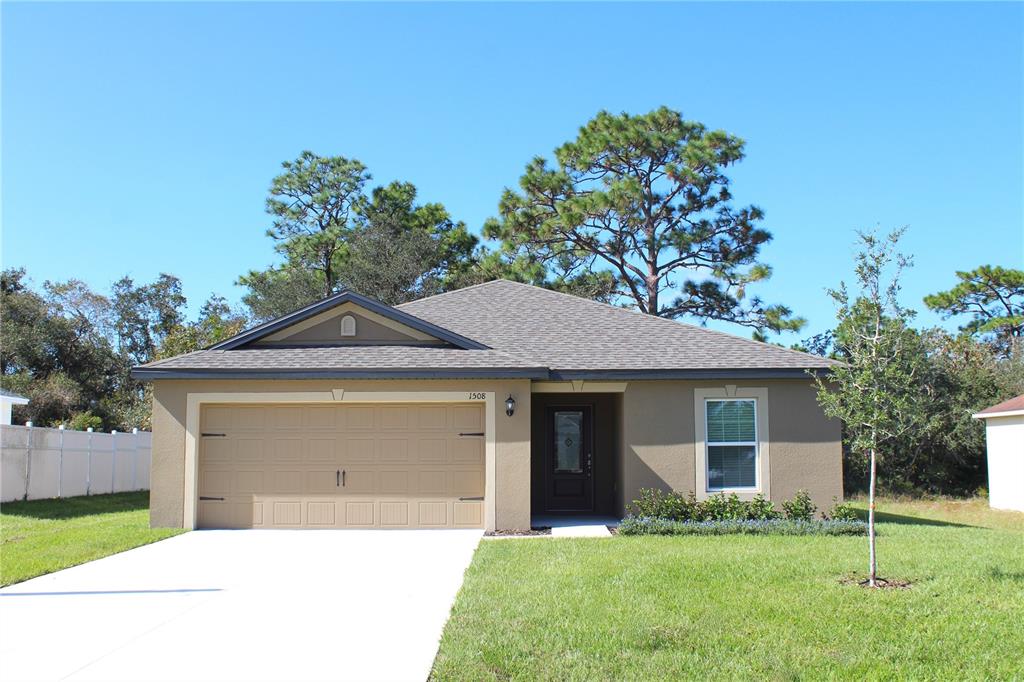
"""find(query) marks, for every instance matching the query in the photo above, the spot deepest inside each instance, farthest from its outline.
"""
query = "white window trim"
(762, 451)
(727, 443)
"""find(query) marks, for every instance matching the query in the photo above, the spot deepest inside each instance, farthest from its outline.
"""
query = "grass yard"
(633, 608)
(43, 536)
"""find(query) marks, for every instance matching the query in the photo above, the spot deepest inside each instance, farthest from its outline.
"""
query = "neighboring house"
(7, 401)
(477, 408)
(1004, 433)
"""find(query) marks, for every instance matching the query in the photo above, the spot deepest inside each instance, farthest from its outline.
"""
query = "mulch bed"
(516, 532)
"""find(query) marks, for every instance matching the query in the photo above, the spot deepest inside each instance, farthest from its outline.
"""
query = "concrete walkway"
(577, 526)
(241, 605)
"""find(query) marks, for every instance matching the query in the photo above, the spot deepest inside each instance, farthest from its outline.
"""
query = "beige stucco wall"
(512, 436)
(658, 433)
(657, 438)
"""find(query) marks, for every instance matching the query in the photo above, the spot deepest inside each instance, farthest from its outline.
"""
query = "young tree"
(993, 297)
(646, 199)
(877, 391)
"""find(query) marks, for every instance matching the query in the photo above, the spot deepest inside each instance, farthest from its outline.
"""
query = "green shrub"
(841, 511)
(655, 503)
(800, 508)
(634, 525)
(721, 508)
(81, 421)
(761, 509)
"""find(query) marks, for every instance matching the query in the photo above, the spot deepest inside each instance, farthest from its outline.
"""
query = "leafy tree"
(217, 321)
(993, 297)
(400, 251)
(312, 202)
(144, 315)
(59, 362)
(877, 390)
(646, 199)
(278, 291)
(332, 234)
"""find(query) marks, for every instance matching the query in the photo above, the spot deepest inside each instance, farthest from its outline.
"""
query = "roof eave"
(150, 374)
(989, 415)
(642, 374)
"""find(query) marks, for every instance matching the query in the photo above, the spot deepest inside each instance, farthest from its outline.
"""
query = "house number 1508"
(478, 396)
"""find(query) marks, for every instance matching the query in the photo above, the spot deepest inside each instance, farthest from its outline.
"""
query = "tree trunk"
(872, 560)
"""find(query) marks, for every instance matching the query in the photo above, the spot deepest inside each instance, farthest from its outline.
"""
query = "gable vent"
(348, 326)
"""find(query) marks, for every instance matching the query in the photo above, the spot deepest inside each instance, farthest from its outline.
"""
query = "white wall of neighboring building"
(1005, 437)
(6, 402)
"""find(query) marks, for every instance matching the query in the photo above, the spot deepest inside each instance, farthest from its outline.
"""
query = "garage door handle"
(339, 478)
(219, 499)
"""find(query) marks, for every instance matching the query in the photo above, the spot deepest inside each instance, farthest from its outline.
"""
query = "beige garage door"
(332, 466)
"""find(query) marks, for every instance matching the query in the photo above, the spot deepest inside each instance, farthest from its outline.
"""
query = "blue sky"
(141, 138)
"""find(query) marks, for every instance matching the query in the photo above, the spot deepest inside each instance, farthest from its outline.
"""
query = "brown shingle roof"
(1011, 405)
(568, 333)
(527, 332)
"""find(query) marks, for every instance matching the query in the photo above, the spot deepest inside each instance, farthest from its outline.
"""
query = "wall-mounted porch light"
(510, 405)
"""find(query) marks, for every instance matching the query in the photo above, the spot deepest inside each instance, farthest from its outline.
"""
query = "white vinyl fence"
(38, 463)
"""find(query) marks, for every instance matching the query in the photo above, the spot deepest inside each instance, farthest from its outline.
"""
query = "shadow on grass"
(887, 517)
(74, 507)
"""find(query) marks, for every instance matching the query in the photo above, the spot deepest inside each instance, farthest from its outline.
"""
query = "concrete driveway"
(241, 605)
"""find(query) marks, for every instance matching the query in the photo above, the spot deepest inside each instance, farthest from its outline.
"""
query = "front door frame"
(587, 452)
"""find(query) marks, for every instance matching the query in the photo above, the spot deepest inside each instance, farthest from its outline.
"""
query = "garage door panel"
(468, 450)
(469, 514)
(288, 513)
(394, 513)
(394, 483)
(394, 450)
(248, 482)
(325, 481)
(284, 481)
(432, 450)
(287, 449)
(361, 449)
(287, 418)
(248, 449)
(433, 482)
(321, 513)
(322, 418)
(359, 418)
(249, 419)
(431, 417)
(359, 513)
(279, 466)
(394, 418)
(325, 450)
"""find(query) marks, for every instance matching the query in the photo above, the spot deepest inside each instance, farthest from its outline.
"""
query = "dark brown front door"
(569, 459)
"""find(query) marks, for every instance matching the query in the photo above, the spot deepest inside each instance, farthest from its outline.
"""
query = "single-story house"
(480, 407)
(1004, 436)
(7, 401)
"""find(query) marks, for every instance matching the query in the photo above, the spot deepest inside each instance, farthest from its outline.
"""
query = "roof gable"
(308, 326)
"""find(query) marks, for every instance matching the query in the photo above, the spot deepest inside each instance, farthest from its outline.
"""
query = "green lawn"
(42, 536)
(633, 608)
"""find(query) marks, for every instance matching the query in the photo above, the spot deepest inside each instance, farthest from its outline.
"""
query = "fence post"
(28, 458)
(135, 456)
(113, 461)
(88, 463)
(60, 463)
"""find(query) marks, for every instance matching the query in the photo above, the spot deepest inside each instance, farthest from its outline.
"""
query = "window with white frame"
(731, 441)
